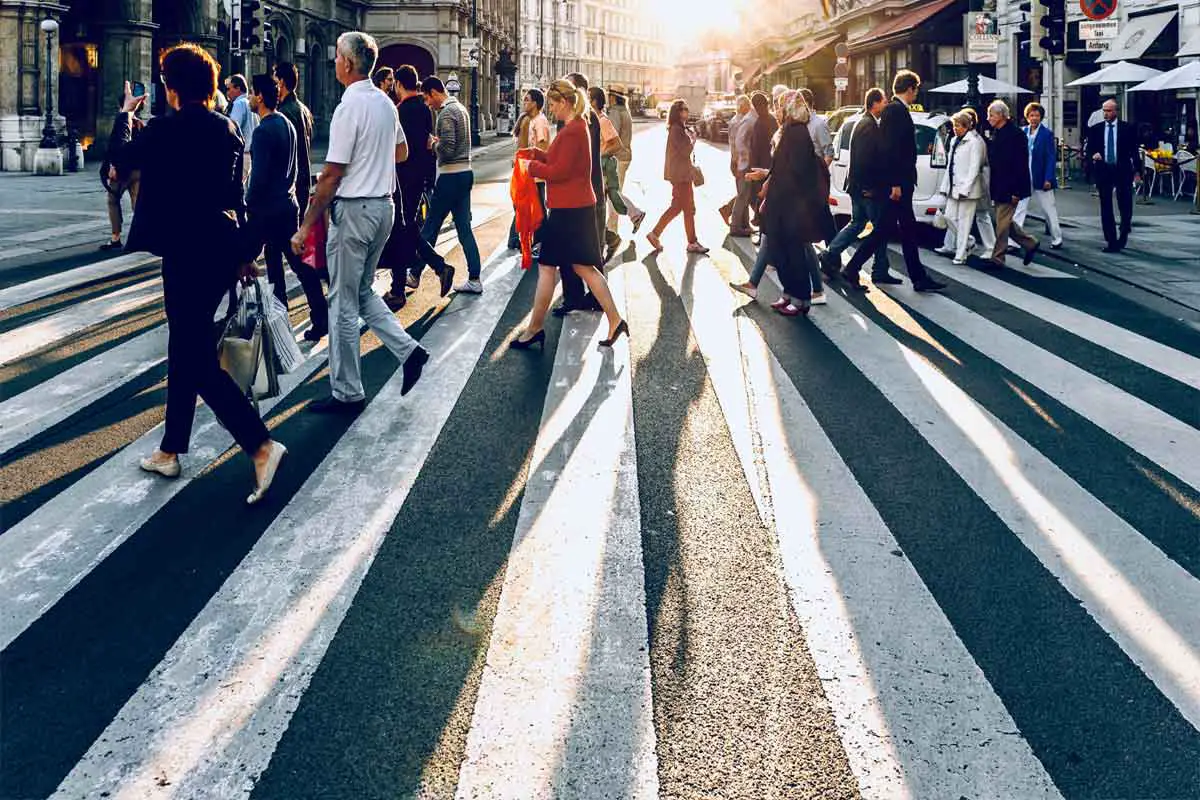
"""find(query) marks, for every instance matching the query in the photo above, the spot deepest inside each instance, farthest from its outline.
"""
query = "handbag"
(245, 350)
(697, 175)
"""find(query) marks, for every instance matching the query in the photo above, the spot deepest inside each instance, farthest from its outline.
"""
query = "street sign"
(841, 70)
(1098, 9)
(981, 37)
(841, 84)
(1098, 45)
(468, 52)
(1099, 29)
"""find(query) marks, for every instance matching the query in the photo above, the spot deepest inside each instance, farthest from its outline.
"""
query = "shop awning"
(806, 52)
(1190, 48)
(1135, 38)
(903, 23)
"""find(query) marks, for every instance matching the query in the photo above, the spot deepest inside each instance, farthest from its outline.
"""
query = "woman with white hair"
(963, 182)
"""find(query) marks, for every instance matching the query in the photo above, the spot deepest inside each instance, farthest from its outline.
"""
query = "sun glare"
(685, 22)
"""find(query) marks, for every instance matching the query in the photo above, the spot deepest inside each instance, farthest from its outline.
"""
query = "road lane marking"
(565, 698)
(69, 279)
(212, 712)
(915, 713)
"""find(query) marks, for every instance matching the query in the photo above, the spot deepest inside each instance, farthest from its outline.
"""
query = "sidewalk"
(1163, 255)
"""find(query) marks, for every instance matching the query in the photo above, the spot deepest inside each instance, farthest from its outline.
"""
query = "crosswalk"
(982, 560)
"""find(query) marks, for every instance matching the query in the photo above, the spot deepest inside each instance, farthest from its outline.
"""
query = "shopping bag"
(314, 244)
(283, 340)
(245, 350)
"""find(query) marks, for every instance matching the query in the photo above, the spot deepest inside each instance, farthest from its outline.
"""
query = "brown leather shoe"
(395, 302)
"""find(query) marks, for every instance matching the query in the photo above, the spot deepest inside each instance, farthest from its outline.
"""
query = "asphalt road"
(908, 546)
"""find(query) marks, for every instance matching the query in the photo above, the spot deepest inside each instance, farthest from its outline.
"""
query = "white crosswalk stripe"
(567, 696)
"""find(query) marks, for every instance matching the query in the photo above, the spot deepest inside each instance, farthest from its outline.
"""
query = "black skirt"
(569, 236)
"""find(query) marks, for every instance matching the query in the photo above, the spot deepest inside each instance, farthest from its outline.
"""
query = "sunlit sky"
(684, 21)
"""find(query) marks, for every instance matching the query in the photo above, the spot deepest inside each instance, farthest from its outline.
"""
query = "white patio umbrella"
(1184, 77)
(1120, 72)
(986, 86)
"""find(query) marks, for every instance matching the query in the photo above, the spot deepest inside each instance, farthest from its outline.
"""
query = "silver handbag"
(245, 351)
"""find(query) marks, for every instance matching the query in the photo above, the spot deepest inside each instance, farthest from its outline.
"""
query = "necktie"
(1110, 149)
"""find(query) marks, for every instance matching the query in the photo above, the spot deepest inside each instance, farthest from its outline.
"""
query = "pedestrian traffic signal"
(1054, 27)
(245, 15)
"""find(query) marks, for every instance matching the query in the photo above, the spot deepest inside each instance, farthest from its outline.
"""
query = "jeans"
(797, 266)
(452, 196)
(760, 261)
(862, 211)
(358, 231)
(275, 231)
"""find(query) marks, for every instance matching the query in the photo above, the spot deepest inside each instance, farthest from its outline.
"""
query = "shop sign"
(1098, 45)
(981, 37)
(1099, 29)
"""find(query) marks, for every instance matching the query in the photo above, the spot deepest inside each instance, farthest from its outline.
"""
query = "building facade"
(550, 41)
(102, 43)
(623, 45)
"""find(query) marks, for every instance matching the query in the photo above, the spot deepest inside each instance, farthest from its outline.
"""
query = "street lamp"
(48, 159)
(475, 74)
(49, 27)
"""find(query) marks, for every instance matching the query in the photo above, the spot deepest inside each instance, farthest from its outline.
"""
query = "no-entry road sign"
(1098, 9)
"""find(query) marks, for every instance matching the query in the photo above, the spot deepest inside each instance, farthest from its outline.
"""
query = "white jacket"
(970, 161)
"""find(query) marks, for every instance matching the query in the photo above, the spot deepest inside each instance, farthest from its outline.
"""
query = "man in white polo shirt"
(365, 144)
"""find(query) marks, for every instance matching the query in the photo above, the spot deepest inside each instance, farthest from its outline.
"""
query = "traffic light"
(1027, 35)
(1054, 27)
(245, 20)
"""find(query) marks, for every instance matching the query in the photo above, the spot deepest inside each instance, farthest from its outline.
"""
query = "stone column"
(23, 79)
(126, 54)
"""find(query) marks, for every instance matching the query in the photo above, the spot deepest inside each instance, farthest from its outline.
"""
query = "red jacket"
(567, 168)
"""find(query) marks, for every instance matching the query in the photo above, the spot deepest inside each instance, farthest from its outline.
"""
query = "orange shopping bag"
(527, 206)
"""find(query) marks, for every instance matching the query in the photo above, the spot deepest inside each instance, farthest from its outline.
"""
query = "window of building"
(900, 57)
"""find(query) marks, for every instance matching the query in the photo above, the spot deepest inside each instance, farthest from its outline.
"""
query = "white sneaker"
(943, 251)
(470, 287)
(818, 299)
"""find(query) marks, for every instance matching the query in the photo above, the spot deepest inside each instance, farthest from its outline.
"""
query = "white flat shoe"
(168, 469)
(818, 300)
(277, 453)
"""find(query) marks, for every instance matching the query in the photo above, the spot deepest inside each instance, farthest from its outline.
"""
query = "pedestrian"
(455, 179)
(796, 211)
(760, 145)
(242, 116)
(356, 185)
(385, 80)
(271, 200)
(618, 111)
(286, 77)
(818, 130)
(1043, 158)
(570, 239)
(114, 187)
(736, 212)
(983, 207)
(898, 139)
(575, 296)
(533, 130)
(610, 144)
(678, 170)
(862, 184)
(190, 203)
(963, 182)
(1112, 150)
(407, 252)
(1008, 155)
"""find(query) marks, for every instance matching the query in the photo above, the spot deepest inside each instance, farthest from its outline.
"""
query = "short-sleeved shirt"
(539, 130)
(363, 135)
(608, 131)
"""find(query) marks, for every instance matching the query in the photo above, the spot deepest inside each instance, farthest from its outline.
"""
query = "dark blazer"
(1043, 159)
(301, 118)
(1008, 158)
(677, 168)
(898, 147)
(1129, 160)
(190, 196)
(417, 121)
(760, 141)
(796, 200)
(866, 169)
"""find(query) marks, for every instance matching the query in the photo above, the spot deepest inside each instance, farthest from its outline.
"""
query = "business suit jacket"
(866, 166)
(1009, 156)
(1043, 158)
(898, 148)
(190, 199)
(1128, 158)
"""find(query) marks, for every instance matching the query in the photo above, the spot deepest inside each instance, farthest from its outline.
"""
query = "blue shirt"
(244, 118)
(272, 188)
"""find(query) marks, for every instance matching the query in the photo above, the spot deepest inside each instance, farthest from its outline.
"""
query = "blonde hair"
(964, 120)
(563, 89)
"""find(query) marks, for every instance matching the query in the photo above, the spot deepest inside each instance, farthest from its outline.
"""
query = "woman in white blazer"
(963, 183)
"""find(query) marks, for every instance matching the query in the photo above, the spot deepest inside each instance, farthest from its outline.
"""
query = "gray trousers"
(358, 232)
(740, 218)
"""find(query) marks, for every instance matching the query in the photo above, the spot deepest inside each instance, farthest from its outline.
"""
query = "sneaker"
(818, 299)
(413, 281)
(474, 286)
(1057, 243)
(943, 251)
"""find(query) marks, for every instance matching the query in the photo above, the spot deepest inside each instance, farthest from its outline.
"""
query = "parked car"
(664, 107)
(837, 117)
(933, 137)
(714, 122)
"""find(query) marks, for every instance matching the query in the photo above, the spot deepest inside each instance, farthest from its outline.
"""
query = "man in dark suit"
(862, 184)
(898, 162)
(1112, 149)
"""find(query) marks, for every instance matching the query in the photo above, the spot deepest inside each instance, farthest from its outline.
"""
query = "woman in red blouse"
(569, 236)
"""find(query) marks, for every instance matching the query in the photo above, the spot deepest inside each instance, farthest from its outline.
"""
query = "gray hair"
(999, 107)
(360, 49)
(742, 101)
(964, 120)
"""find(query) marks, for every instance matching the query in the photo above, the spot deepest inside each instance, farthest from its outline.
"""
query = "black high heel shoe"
(538, 338)
(622, 328)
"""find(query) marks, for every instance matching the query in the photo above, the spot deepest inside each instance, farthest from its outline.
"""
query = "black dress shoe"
(887, 279)
(538, 338)
(562, 309)
(830, 265)
(1029, 254)
(852, 279)
(590, 303)
(314, 334)
(394, 301)
(929, 286)
(1111, 247)
(445, 275)
(111, 245)
(331, 405)
(412, 369)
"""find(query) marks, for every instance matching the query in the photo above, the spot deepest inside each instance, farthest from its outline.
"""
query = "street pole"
(475, 74)
(48, 137)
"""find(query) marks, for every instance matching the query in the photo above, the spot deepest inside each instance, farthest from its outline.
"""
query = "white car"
(933, 136)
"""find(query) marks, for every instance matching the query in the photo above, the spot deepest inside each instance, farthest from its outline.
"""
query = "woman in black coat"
(188, 212)
(796, 212)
